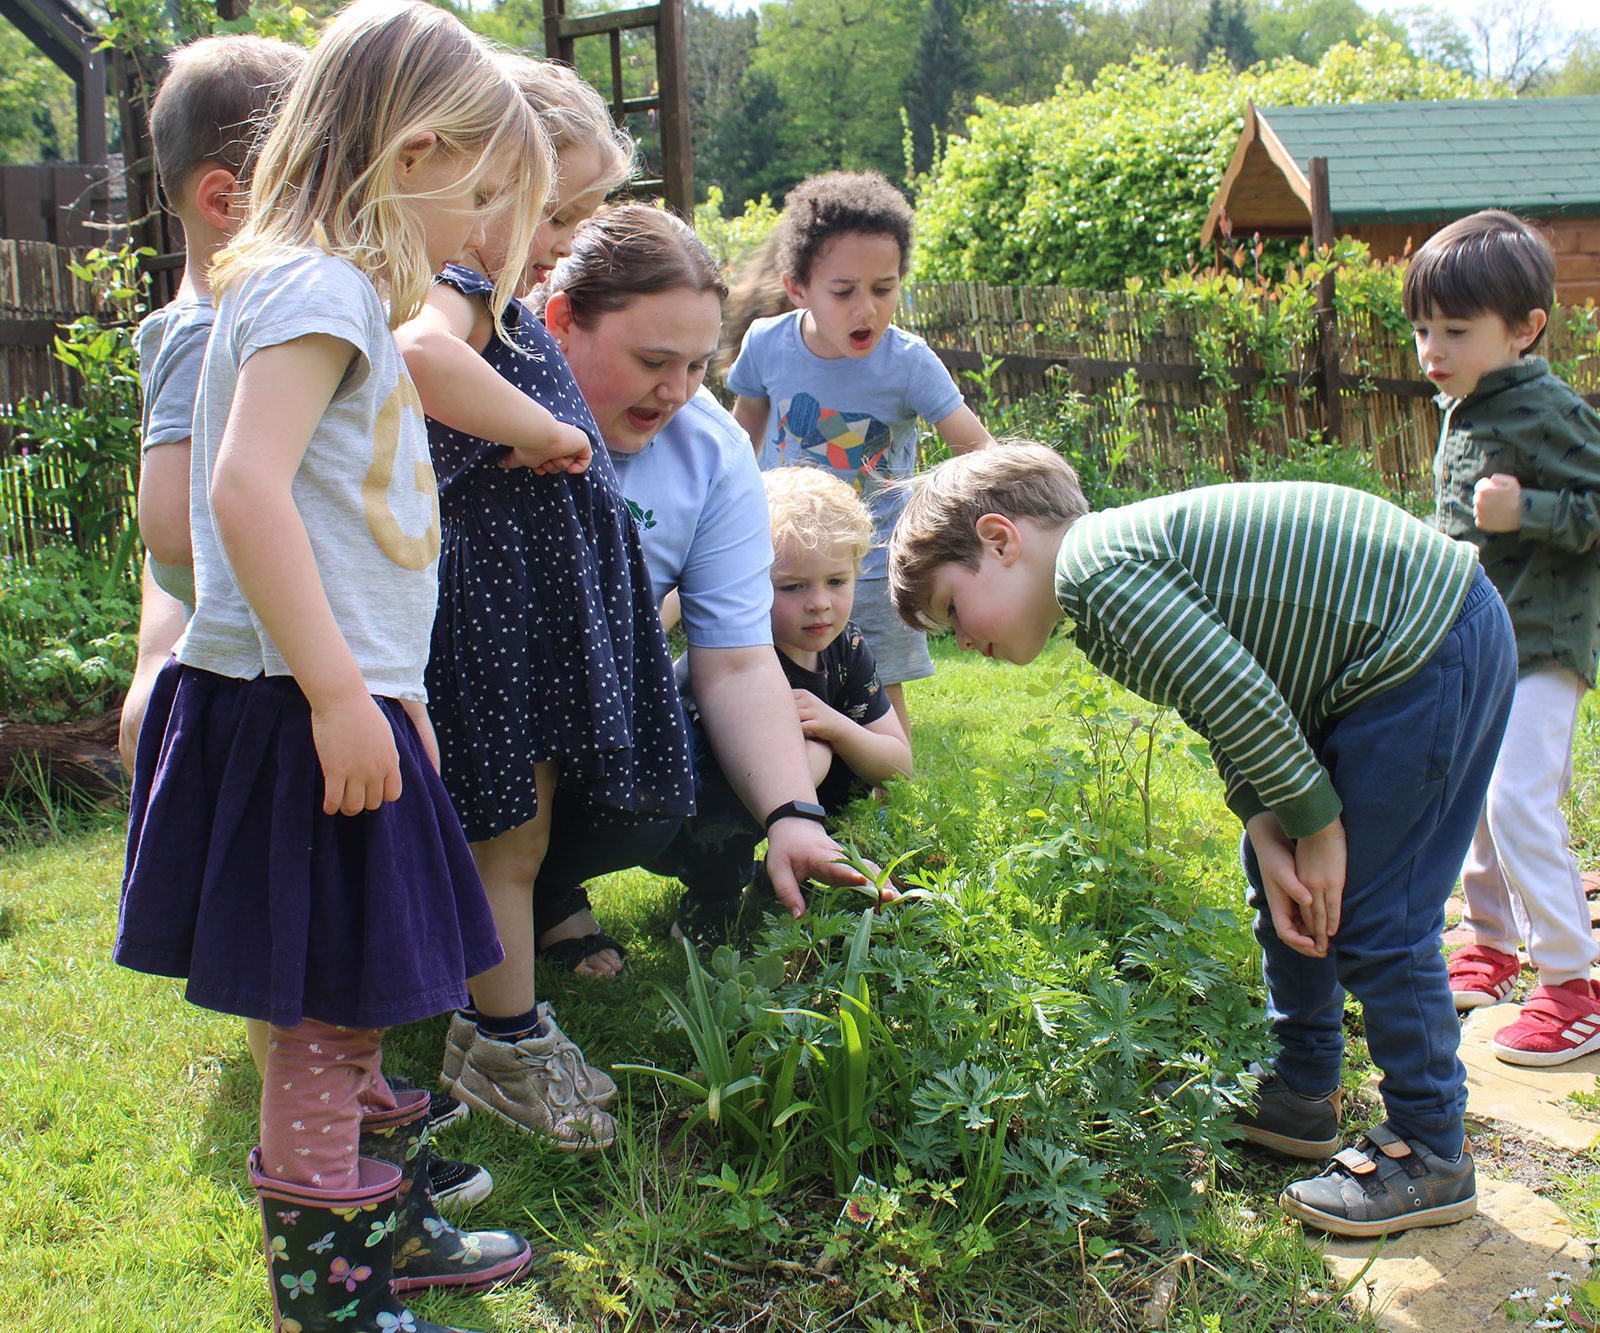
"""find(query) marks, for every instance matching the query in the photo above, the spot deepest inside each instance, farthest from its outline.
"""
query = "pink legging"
(319, 1081)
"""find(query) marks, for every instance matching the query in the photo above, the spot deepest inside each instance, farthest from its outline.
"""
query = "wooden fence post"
(1327, 317)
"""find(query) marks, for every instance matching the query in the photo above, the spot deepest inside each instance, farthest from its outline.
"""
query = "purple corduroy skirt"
(236, 879)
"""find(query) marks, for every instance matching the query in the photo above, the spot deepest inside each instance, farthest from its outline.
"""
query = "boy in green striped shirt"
(1352, 670)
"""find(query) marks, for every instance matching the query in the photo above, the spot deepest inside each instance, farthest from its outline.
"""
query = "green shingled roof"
(1403, 161)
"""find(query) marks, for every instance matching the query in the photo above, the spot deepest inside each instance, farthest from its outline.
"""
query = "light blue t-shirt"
(855, 417)
(697, 497)
(365, 487)
(172, 348)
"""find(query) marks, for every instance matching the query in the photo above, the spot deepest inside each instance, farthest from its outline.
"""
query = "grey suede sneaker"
(457, 1041)
(1385, 1184)
(1285, 1122)
(528, 1083)
(594, 1085)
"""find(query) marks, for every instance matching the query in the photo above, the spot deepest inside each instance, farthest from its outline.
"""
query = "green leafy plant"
(738, 1091)
(841, 1065)
(68, 636)
(75, 465)
(1106, 181)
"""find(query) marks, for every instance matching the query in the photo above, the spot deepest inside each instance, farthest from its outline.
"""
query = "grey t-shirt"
(172, 348)
(365, 488)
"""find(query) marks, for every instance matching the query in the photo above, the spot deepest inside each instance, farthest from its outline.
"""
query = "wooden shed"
(1398, 171)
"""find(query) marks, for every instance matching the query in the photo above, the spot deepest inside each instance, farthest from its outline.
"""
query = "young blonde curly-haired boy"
(821, 533)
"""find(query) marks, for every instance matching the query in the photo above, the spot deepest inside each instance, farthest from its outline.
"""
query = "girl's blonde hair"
(383, 74)
(573, 113)
(811, 509)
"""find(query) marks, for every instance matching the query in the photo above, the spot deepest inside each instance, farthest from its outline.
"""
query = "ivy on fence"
(1212, 375)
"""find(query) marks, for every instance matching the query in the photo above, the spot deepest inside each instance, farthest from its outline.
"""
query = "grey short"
(901, 652)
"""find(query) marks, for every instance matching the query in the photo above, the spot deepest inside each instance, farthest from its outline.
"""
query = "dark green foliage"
(1005, 1022)
(943, 78)
(1227, 33)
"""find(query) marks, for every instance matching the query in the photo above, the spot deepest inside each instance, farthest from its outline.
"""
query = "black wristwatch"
(796, 809)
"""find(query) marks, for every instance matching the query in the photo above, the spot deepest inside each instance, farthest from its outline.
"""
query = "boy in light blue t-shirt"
(833, 384)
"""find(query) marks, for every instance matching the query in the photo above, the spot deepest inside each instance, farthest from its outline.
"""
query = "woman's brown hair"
(629, 251)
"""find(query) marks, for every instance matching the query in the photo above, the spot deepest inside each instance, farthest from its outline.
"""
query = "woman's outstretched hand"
(799, 849)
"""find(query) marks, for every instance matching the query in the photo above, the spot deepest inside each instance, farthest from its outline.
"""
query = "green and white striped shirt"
(1260, 611)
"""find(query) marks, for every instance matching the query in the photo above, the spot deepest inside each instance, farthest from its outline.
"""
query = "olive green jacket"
(1524, 421)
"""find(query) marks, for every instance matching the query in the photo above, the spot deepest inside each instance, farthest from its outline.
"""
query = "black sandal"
(572, 953)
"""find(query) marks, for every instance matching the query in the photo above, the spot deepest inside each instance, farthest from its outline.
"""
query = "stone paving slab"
(1533, 1100)
(1445, 1279)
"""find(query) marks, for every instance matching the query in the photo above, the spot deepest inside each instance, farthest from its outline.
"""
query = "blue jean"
(1411, 766)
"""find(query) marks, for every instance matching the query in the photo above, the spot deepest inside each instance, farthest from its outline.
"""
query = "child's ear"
(999, 536)
(1527, 333)
(220, 198)
(414, 152)
(796, 292)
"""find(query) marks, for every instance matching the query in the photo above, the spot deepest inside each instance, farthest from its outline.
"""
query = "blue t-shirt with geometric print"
(856, 417)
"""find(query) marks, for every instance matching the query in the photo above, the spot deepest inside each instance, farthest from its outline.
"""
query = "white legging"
(1520, 879)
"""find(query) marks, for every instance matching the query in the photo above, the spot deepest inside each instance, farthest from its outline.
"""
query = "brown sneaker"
(528, 1084)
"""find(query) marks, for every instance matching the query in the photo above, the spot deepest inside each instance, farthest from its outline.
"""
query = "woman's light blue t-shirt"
(696, 494)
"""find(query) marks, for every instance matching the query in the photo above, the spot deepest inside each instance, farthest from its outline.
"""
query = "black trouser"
(588, 840)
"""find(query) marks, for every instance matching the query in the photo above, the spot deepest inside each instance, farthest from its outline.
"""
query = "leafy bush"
(69, 590)
(76, 464)
(990, 1045)
(68, 636)
(730, 240)
(1112, 180)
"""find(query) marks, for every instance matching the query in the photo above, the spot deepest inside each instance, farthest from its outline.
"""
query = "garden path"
(1525, 1131)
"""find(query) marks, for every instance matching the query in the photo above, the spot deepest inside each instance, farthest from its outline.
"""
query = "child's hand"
(818, 721)
(1319, 863)
(566, 449)
(360, 765)
(1288, 900)
(1497, 503)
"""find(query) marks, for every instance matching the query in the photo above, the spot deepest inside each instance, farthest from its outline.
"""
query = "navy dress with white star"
(547, 644)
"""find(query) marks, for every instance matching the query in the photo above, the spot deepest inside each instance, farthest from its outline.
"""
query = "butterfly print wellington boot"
(330, 1255)
(429, 1251)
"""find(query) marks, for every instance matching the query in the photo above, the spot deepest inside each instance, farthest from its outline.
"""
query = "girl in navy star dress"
(549, 664)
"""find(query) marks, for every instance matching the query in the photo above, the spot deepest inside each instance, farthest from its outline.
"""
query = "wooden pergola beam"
(69, 41)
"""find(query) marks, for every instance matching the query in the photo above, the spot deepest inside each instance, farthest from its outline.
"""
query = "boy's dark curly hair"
(838, 204)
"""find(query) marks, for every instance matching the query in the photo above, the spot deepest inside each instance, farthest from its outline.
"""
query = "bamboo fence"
(1134, 364)
(1187, 418)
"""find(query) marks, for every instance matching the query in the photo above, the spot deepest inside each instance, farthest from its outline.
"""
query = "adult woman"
(637, 309)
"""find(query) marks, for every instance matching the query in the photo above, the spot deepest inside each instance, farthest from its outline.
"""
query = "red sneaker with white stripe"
(1480, 975)
(1558, 1023)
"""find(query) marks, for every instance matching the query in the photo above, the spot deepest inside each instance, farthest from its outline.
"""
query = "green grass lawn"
(1025, 1011)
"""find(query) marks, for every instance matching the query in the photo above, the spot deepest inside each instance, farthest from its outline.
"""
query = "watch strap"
(796, 809)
